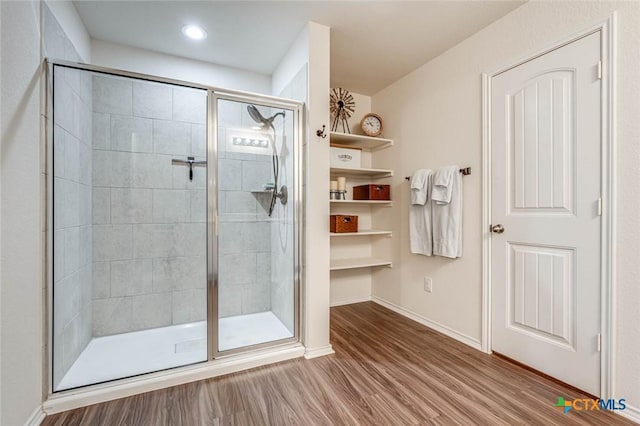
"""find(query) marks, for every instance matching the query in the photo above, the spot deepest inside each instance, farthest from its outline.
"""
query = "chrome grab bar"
(191, 162)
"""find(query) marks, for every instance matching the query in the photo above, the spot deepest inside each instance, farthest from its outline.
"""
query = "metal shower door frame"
(213, 284)
(213, 94)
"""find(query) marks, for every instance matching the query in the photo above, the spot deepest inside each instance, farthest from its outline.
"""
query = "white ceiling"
(373, 43)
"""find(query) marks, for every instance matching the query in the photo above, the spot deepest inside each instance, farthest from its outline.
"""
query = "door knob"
(498, 229)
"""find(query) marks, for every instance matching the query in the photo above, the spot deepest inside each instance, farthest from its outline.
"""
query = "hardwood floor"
(387, 370)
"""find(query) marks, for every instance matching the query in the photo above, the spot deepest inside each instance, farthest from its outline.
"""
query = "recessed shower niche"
(176, 224)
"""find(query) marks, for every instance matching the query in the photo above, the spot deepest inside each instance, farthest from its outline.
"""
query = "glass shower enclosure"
(175, 224)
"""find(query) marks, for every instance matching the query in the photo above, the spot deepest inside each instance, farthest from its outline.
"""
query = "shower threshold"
(129, 354)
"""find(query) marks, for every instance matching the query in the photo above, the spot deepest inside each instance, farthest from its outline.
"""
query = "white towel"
(419, 187)
(420, 213)
(447, 216)
(443, 184)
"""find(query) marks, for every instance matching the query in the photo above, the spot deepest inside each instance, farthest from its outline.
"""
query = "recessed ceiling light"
(194, 32)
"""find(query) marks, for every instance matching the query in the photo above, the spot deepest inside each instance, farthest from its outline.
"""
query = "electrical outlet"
(428, 284)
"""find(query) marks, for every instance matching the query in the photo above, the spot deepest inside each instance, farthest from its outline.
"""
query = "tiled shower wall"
(282, 237)
(245, 246)
(72, 203)
(149, 219)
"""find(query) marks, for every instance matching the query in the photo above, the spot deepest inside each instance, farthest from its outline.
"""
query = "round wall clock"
(371, 124)
(341, 106)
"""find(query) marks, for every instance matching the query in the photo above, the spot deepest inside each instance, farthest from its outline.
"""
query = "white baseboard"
(467, 340)
(36, 417)
(318, 352)
(77, 398)
(631, 413)
(350, 300)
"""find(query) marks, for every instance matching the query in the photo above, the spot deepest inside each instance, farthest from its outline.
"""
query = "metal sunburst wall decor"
(341, 106)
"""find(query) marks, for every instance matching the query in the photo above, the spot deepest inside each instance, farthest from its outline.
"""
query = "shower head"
(255, 114)
(264, 123)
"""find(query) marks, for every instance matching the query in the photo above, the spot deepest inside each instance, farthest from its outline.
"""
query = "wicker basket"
(339, 223)
(372, 192)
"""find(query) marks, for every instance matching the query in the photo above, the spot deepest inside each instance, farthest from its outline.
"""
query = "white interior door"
(545, 189)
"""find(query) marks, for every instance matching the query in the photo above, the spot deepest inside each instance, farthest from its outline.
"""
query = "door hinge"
(600, 206)
(599, 70)
(599, 342)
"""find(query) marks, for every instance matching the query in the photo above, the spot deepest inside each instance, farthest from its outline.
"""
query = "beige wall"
(21, 205)
(22, 190)
(311, 48)
(316, 293)
(1, 126)
(434, 115)
(119, 56)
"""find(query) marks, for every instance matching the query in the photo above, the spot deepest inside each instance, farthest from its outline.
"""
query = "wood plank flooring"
(387, 370)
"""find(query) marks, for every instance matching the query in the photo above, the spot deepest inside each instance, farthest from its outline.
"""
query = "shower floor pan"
(129, 354)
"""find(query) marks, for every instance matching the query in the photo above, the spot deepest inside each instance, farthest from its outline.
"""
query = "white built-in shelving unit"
(360, 141)
(358, 176)
(358, 262)
(361, 233)
(364, 202)
(352, 172)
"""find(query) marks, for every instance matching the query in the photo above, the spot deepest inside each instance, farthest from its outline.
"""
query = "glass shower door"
(257, 244)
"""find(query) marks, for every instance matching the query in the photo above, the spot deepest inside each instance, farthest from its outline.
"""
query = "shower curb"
(77, 398)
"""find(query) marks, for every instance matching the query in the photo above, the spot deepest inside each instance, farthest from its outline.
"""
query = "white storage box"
(345, 156)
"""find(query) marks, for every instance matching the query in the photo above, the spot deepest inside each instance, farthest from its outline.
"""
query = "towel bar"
(465, 172)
